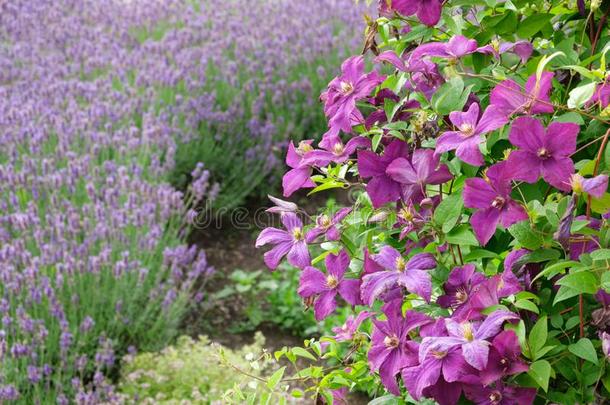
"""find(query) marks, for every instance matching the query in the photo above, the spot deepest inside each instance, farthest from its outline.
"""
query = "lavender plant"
(475, 257)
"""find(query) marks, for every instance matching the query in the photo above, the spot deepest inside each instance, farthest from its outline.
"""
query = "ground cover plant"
(476, 256)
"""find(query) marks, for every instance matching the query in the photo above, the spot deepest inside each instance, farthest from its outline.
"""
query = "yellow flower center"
(297, 234)
(400, 264)
(576, 182)
(391, 341)
(498, 202)
(461, 296)
(466, 130)
(543, 153)
(331, 281)
(346, 88)
(324, 221)
(406, 214)
(438, 355)
(467, 331)
(304, 147)
(338, 149)
(495, 397)
(495, 44)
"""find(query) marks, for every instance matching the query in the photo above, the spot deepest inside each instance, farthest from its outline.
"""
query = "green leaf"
(565, 293)
(581, 94)
(555, 268)
(527, 305)
(448, 212)
(583, 281)
(525, 235)
(601, 205)
(451, 96)
(540, 371)
(462, 236)
(299, 351)
(538, 336)
(533, 24)
(328, 185)
(584, 349)
(606, 281)
(274, 380)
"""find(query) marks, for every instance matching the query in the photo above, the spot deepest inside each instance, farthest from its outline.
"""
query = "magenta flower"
(492, 200)
(504, 358)
(391, 349)
(381, 188)
(337, 153)
(325, 287)
(523, 49)
(425, 77)
(465, 141)
(595, 186)
(408, 219)
(500, 394)
(459, 286)
(512, 99)
(343, 92)
(281, 206)
(327, 226)
(290, 242)
(351, 325)
(300, 174)
(411, 275)
(414, 174)
(601, 96)
(471, 337)
(457, 47)
(427, 11)
(543, 153)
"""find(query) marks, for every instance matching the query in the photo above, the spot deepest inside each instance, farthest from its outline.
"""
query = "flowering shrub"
(478, 248)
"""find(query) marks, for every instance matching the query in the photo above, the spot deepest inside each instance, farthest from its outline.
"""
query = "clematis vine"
(459, 286)
(491, 198)
(343, 92)
(299, 175)
(289, 242)
(465, 141)
(391, 349)
(543, 153)
(411, 274)
(512, 99)
(469, 336)
(327, 226)
(338, 152)
(416, 173)
(323, 288)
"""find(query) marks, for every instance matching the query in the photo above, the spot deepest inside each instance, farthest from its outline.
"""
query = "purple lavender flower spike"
(411, 275)
(500, 394)
(459, 286)
(391, 350)
(492, 200)
(300, 175)
(427, 11)
(543, 153)
(595, 186)
(290, 242)
(325, 287)
(328, 226)
(381, 188)
(465, 141)
(512, 99)
(471, 337)
(337, 153)
(414, 174)
(458, 46)
(348, 329)
(504, 358)
(344, 90)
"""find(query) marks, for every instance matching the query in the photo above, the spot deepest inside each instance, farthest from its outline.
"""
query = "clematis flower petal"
(325, 304)
(311, 282)
(484, 223)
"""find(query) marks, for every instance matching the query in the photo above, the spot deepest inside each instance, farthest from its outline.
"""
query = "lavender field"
(117, 119)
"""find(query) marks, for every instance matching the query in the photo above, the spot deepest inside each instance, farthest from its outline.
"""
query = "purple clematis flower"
(511, 99)
(351, 325)
(281, 206)
(500, 394)
(504, 358)
(584, 243)
(427, 11)
(337, 153)
(446, 365)
(425, 77)
(414, 174)
(300, 174)
(492, 199)
(409, 219)
(459, 286)
(328, 226)
(523, 49)
(543, 153)
(289, 242)
(381, 188)
(370, 266)
(471, 337)
(595, 186)
(605, 338)
(391, 349)
(465, 141)
(601, 96)
(325, 287)
(411, 275)
(343, 92)
(457, 47)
